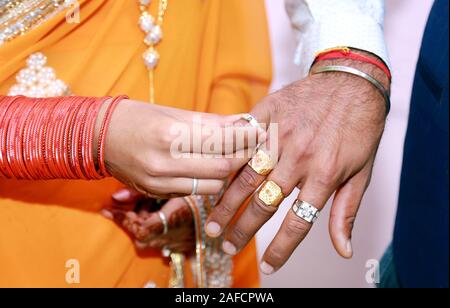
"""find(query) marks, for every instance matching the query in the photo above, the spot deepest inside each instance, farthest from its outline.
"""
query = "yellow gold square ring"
(262, 163)
(271, 194)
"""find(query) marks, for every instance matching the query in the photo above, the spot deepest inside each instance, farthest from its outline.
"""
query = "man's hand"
(330, 126)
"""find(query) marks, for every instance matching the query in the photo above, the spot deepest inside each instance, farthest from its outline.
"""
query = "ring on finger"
(194, 187)
(252, 121)
(305, 211)
(165, 222)
(271, 194)
(262, 163)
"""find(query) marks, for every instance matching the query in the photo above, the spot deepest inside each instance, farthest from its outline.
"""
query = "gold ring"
(271, 194)
(261, 163)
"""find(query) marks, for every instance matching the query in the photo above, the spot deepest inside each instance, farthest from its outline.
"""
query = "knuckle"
(350, 222)
(225, 210)
(296, 228)
(154, 185)
(224, 168)
(284, 182)
(304, 151)
(259, 209)
(149, 185)
(286, 132)
(165, 137)
(247, 180)
(275, 255)
(216, 188)
(239, 236)
(327, 175)
(154, 168)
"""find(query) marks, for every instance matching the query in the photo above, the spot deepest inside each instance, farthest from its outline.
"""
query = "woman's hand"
(139, 217)
(158, 151)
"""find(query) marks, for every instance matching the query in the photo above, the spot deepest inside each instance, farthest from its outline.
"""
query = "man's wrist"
(368, 68)
(372, 88)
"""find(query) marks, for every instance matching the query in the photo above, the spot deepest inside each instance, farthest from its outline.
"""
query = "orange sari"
(215, 57)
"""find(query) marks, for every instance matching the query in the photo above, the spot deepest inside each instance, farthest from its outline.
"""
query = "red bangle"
(77, 144)
(52, 138)
(5, 170)
(14, 143)
(46, 130)
(64, 143)
(103, 132)
(346, 53)
(52, 124)
(87, 148)
(26, 138)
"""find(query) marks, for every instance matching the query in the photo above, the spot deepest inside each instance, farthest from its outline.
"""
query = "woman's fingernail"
(121, 195)
(213, 229)
(266, 268)
(236, 117)
(229, 248)
(107, 214)
(349, 248)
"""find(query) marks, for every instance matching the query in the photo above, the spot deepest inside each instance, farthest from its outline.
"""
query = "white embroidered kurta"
(323, 24)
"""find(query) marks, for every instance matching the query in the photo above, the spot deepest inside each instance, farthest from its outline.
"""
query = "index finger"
(218, 140)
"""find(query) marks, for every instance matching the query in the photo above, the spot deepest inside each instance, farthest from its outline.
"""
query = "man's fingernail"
(349, 248)
(229, 248)
(213, 229)
(121, 195)
(266, 268)
(107, 214)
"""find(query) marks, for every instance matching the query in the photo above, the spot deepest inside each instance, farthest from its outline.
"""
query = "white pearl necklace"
(152, 27)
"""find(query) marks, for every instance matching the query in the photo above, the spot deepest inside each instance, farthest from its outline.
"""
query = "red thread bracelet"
(346, 53)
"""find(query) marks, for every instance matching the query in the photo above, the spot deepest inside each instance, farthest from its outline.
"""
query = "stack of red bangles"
(52, 138)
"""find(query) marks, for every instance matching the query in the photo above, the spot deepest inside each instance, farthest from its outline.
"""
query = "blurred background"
(315, 263)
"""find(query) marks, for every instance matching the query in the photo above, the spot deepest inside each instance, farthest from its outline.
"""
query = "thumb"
(345, 207)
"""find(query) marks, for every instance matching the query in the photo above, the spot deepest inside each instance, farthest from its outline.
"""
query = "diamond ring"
(305, 211)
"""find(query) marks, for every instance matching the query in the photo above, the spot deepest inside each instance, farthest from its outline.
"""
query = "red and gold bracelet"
(347, 53)
(42, 139)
